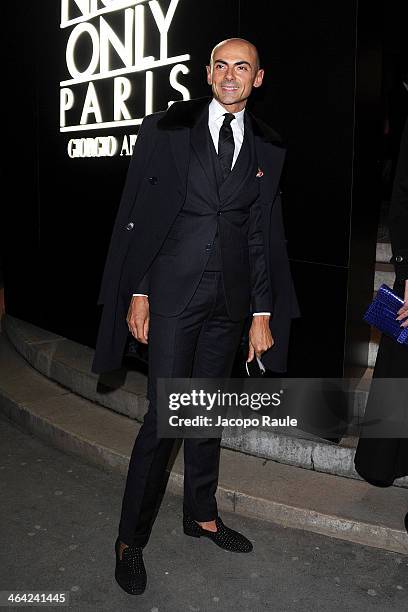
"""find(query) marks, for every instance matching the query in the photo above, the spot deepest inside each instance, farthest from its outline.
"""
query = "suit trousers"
(201, 342)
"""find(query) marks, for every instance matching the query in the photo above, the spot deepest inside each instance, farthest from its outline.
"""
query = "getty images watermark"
(204, 407)
(215, 402)
(329, 408)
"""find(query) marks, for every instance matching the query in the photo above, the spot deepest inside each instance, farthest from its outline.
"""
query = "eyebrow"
(220, 61)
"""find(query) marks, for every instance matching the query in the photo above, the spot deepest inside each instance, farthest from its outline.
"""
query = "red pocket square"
(259, 173)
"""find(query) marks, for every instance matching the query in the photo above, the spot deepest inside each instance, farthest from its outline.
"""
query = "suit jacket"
(226, 209)
(154, 193)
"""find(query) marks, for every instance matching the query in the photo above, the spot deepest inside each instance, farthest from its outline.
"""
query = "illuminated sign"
(111, 80)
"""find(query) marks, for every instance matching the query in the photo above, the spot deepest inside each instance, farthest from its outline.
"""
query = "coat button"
(130, 226)
(399, 258)
(218, 213)
(153, 180)
(208, 247)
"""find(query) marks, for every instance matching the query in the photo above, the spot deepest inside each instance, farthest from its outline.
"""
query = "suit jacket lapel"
(200, 141)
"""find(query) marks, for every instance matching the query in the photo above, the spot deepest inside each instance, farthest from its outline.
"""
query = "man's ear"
(259, 78)
(209, 77)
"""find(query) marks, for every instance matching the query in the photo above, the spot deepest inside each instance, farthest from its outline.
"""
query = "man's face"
(233, 74)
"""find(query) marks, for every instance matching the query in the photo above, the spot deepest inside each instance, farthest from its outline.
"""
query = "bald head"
(237, 42)
(233, 72)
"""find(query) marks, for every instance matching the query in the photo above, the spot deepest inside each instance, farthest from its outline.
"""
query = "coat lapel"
(178, 121)
(270, 161)
(180, 147)
(270, 154)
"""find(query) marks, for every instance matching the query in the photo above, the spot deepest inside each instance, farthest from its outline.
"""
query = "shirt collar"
(216, 111)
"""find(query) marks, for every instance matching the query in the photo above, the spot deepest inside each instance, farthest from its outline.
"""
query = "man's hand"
(260, 337)
(403, 311)
(138, 318)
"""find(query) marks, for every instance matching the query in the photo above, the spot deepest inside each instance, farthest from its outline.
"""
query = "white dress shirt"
(216, 114)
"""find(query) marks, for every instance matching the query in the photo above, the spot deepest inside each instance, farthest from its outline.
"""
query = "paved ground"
(58, 520)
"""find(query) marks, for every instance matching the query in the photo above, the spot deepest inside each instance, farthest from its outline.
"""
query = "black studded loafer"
(130, 572)
(224, 537)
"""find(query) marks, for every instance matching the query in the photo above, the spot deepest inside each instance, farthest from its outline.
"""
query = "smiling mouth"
(229, 87)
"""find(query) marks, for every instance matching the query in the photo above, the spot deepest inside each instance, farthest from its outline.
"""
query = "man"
(198, 246)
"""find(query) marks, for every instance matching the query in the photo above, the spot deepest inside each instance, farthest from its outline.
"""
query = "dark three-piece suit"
(209, 251)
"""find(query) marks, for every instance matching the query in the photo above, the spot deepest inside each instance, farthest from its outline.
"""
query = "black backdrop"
(322, 92)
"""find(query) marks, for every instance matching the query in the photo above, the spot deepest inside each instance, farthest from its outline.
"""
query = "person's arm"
(398, 213)
(403, 311)
(398, 223)
(260, 298)
(260, 337)
(138, 312)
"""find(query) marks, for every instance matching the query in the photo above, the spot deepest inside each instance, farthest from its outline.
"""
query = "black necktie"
(226, 145)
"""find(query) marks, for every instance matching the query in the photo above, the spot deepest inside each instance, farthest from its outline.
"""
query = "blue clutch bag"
(382, 313)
